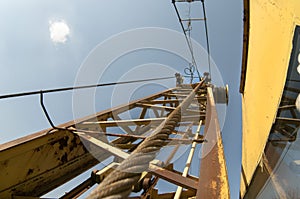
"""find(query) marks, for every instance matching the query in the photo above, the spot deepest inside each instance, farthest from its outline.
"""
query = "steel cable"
(118, 184)
(187, 40)
(79, 87)
(207, 40)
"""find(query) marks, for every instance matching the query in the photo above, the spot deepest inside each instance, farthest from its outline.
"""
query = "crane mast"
(38, 163)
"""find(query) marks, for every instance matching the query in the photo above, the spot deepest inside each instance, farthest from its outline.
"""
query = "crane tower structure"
(184, 115)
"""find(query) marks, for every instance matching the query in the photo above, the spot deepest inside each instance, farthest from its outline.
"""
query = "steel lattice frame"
(68, 156)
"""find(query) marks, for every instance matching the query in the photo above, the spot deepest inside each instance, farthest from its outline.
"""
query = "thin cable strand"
(186, 38)
(207, 40)
(78, 87)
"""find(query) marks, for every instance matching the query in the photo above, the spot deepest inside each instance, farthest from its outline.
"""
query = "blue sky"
(31, 60)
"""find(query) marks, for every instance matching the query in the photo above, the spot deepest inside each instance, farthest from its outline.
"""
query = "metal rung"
(194, 19)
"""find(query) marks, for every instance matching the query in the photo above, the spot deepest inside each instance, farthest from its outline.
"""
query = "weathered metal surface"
(102, 145)
(213, 179)
(79, 190)
(50, 159)
(154, 194)
(173, 177)
(268, 36)
(119, 183)
(273, 168)
(288, 120)
(134, 122)
(96, 177)
(38, 165)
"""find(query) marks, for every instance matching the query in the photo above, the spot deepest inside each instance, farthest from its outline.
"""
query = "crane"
(183, 115)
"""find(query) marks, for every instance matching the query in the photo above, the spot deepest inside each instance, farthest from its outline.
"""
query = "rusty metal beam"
(155, 106)
(80, 189)
(287, 107)
(168, 108)
(142, 116)
(175, 178)
(124, 127)
(175, 95)
(96, 177)
(181, 96)
(59, 152)
(51, 159)
(108, 148)
(162, 101)
(291, 89)
(104, 115)
(66, 156)
(213, 180)
(134, 122)
(155, 195)
(155, 111)
(87, 136)
(288, 120)
(182, 89)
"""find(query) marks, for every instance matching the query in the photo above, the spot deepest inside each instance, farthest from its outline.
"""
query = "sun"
(59, 31)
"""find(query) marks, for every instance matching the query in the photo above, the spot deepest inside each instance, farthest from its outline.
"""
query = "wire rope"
(186, 38)
(207, 39)
(79, 87)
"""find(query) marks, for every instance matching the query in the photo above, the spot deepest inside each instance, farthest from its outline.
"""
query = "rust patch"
(37, 149)
(213, 182)
(30, 171)
(63, 142)
(64, 158)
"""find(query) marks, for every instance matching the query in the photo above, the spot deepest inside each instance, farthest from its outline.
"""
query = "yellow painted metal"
(42, 162)
(271, 29)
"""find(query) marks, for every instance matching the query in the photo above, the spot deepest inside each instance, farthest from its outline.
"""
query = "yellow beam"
(269, 30)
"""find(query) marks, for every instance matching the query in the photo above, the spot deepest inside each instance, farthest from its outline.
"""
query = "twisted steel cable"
(118, 184)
